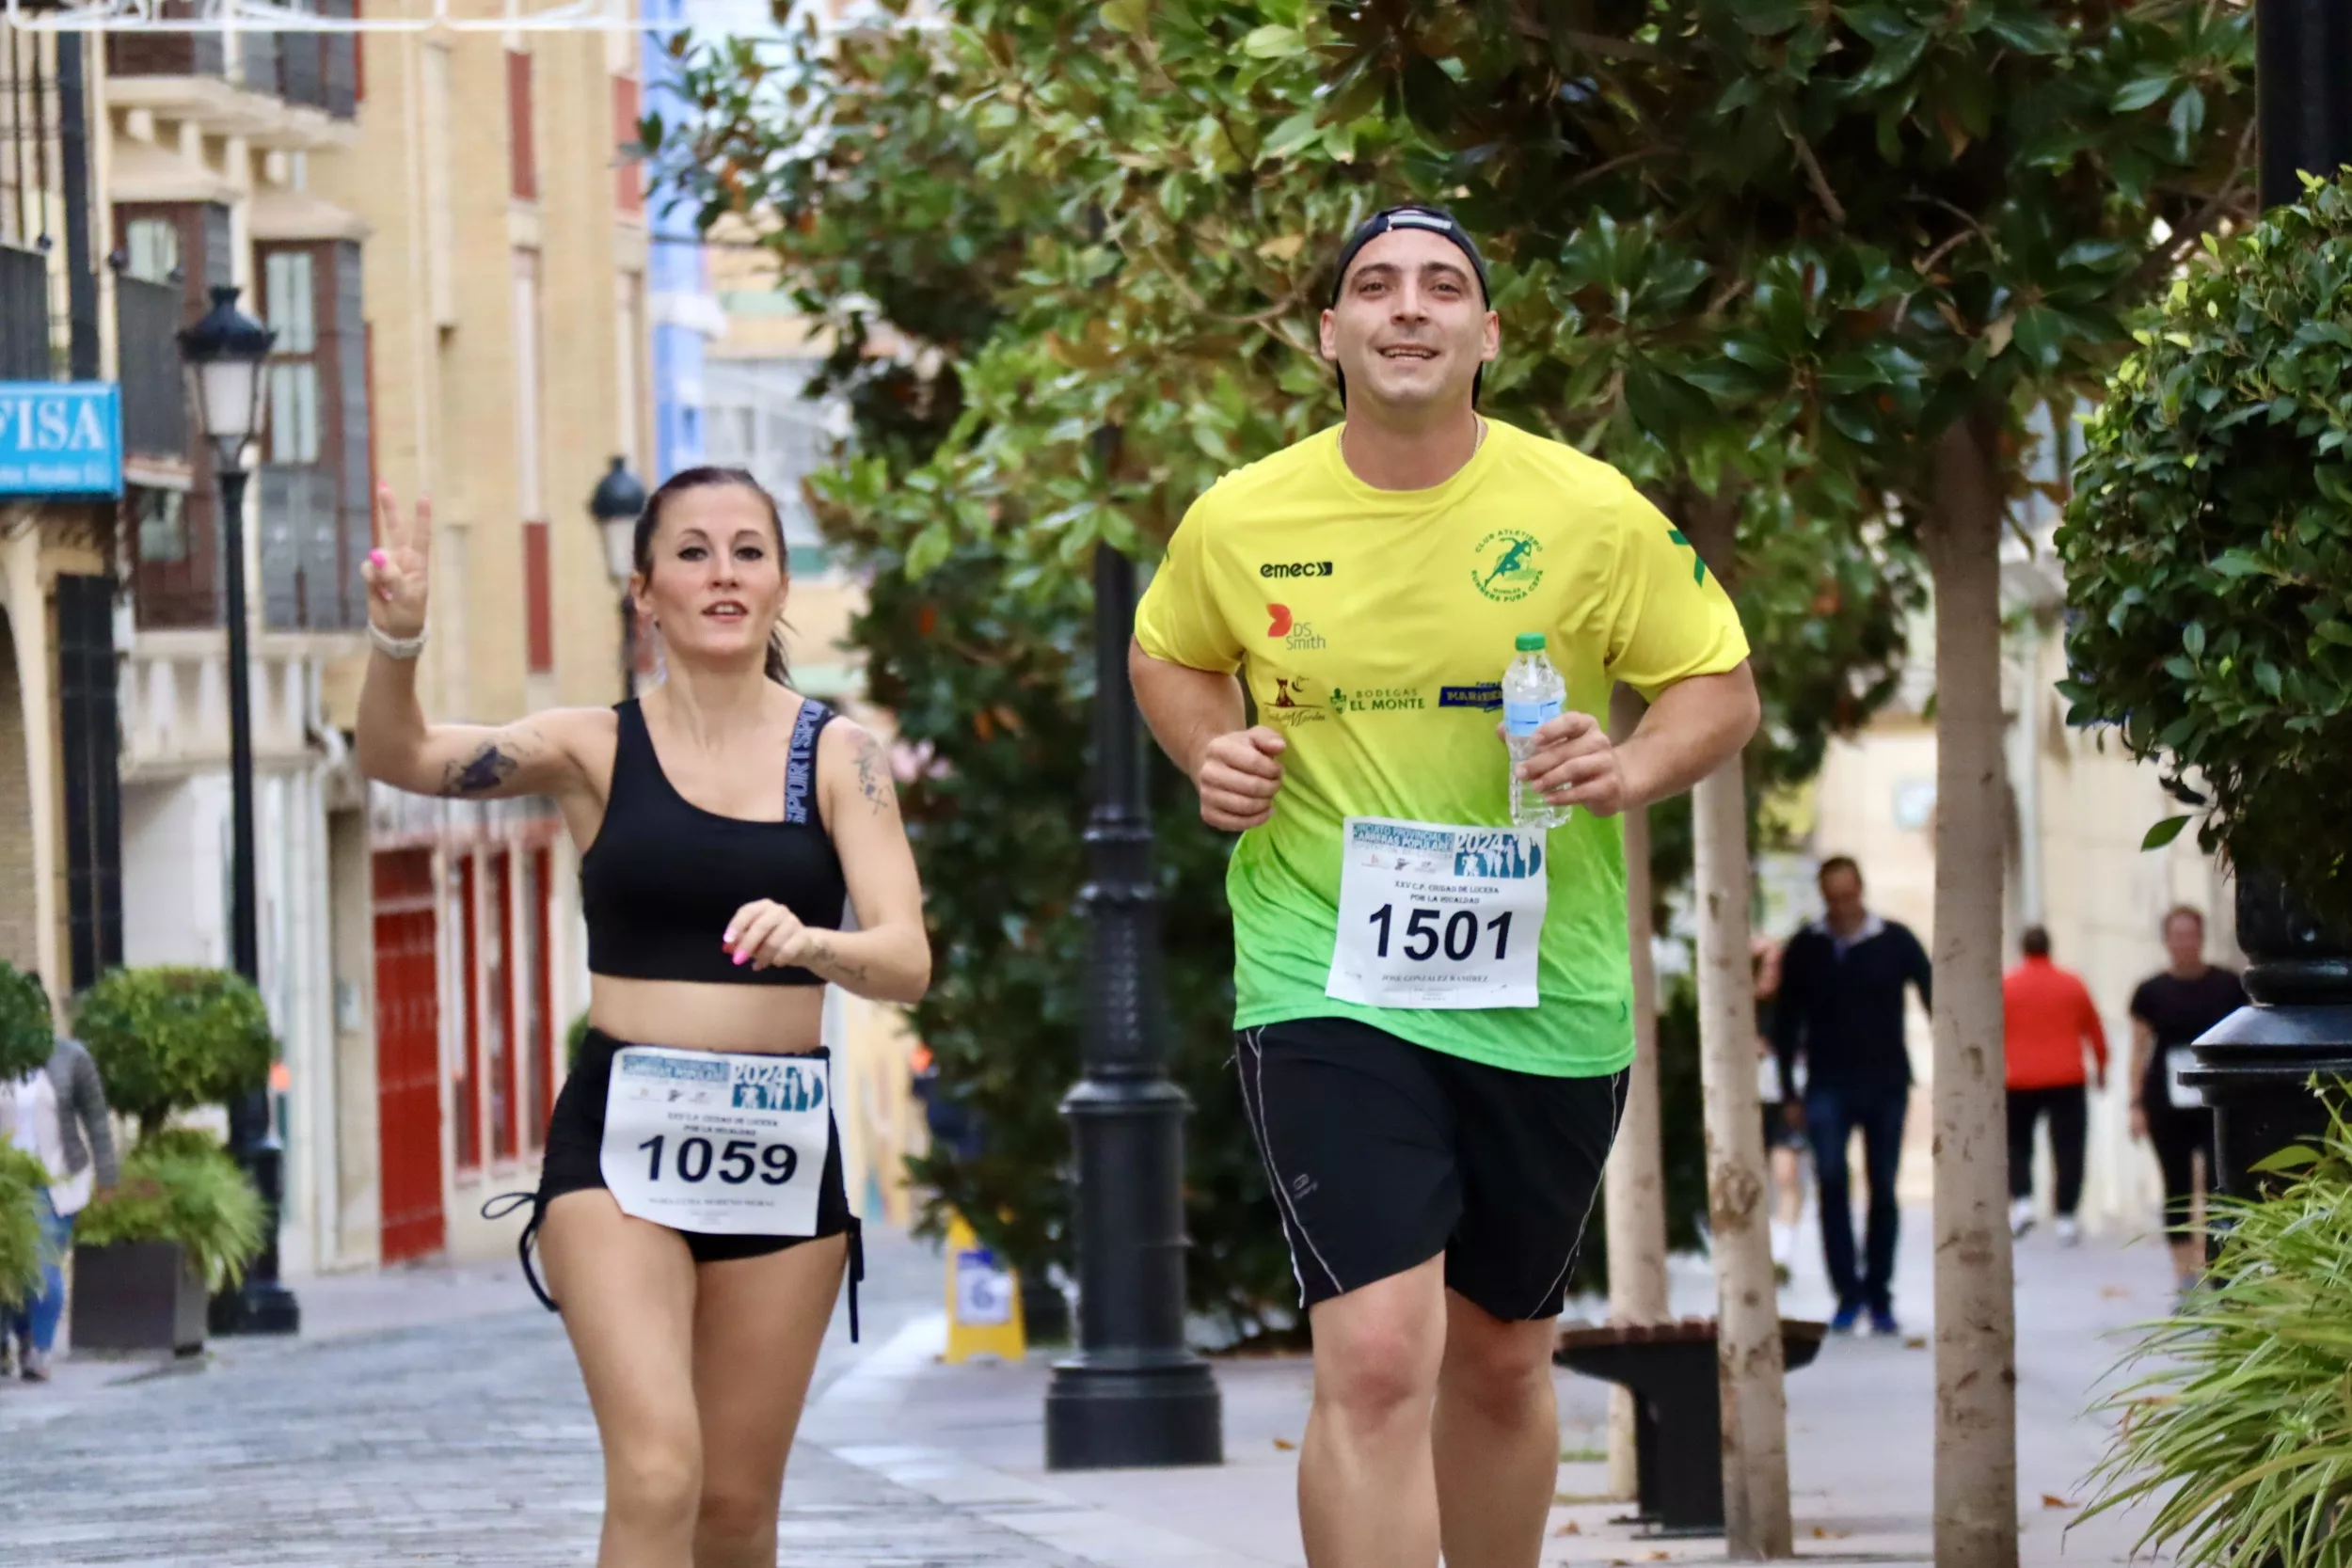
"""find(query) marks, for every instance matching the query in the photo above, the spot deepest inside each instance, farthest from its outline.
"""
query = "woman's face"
(715, 585)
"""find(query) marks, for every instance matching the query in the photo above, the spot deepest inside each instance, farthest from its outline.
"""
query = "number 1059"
(736, 1163)
(1459, 934)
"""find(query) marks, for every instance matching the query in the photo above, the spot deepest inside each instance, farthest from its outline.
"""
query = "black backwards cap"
(1429, 220)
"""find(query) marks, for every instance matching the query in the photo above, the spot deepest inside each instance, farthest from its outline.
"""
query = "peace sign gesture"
(398, 570)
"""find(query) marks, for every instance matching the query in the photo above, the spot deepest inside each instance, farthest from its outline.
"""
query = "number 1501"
(1460, 936)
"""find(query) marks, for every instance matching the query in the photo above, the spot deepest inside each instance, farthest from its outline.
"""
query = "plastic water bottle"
(1533, 691)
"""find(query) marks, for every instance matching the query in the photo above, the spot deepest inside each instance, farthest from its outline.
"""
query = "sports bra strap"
(800, 766)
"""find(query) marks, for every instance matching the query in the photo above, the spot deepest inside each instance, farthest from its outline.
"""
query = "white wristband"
(395, 647)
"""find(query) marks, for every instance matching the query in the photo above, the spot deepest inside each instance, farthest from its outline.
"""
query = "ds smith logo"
(1295, 569)
(1294, 634)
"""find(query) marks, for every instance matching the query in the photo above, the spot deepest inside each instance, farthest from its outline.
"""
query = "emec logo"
(1507, 569)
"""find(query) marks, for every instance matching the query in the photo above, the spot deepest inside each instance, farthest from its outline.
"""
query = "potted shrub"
(2240, 1431)
(184, 1220)
(2208, 549)
(25, 1043)
(21, 1177)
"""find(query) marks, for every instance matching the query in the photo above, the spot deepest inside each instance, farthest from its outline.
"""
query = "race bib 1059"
(730, 1144)
(1437, 916)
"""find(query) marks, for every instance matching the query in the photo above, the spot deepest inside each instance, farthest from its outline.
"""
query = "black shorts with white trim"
(1383, 1154)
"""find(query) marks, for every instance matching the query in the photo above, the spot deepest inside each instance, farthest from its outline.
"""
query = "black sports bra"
(664, 875)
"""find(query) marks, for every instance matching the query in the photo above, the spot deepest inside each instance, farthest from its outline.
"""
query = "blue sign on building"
(60, 438)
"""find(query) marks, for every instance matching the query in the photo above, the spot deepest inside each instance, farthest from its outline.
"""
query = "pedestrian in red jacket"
(2048, 1018)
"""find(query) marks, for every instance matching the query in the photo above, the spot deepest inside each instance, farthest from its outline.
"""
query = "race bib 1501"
(1437, 917)
(730, 1144)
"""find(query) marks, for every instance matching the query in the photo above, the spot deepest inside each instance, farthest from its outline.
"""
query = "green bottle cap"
(1530, 642)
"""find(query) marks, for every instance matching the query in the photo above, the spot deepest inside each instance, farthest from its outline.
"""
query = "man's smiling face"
(1410, 329)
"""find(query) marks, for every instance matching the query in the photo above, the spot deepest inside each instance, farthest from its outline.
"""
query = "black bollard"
(1133, 1394)
(2255, 1066)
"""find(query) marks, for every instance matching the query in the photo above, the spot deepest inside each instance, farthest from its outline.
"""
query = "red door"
(407, 1055)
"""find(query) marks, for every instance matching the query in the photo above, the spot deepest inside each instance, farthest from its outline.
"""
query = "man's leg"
(1496, 1434)
(1829, 1127)
(1367, 1484)
(1882, 1153)
(1356, 1131)
(2025, 1108)
(2070, 1128)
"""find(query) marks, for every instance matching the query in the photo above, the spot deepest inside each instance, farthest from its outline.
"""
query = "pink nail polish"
(740, 956)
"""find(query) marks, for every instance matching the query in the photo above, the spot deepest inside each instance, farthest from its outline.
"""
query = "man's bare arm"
(1691, 728)
(1197, 717)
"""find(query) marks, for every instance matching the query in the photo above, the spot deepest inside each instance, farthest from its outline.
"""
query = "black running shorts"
(1383, 1154)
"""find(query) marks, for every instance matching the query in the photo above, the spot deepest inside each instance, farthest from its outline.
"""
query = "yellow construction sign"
(983, 1300)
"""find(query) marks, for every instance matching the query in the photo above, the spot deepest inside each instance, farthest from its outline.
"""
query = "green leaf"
(2187, 116)
(2292, 1157)
(2035, 35)
(2139, 95)
(2163, 833)
(1125, 15)
(1273, 42)
(2193, 639)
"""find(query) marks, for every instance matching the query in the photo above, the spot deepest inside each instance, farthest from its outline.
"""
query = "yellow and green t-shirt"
(1372, 629)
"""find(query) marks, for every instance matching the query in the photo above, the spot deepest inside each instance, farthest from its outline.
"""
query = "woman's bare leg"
(627, 1290)
(758, 1322)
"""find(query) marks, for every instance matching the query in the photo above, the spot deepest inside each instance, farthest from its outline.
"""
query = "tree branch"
(2166, 257)
(1819, 181)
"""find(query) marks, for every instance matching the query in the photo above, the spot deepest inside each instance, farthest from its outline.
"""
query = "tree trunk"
(1635, 1191)
(1750, 1362)
(1975, 1367)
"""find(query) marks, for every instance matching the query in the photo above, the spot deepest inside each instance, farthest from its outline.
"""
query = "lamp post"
(2253, 1068)
(1134, 1393)
(619, 497)
(224, 354)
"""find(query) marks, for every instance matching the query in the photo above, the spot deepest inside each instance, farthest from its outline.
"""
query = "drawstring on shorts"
(506, 1203)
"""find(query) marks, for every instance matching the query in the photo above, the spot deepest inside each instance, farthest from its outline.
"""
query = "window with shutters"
(522, 155)
(538, 599)
(629, 174)
(91, 750)
(313, 480)
(175, 567)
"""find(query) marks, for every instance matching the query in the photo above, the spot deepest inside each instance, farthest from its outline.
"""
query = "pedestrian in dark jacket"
(1840, 1011)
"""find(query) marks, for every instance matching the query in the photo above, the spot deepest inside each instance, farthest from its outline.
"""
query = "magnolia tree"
(1911, 221)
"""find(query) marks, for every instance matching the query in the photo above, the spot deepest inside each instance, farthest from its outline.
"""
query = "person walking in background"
(60, 1119)
(2168, 1012)
(1840, 1016)
(2047, 1018)
(1783, 1139)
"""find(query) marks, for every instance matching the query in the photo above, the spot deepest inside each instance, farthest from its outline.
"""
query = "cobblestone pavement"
(466, 1442)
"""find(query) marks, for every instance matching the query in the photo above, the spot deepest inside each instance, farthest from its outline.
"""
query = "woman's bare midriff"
(695, 1015)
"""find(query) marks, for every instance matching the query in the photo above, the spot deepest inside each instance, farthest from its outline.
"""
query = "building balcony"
(291, 90)
(174, 702)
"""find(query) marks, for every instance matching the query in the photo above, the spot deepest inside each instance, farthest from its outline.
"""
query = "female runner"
(691, 1210)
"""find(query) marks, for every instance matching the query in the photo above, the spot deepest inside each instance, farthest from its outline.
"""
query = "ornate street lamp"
(1133, 1394)
(224, 354)
(619, 497)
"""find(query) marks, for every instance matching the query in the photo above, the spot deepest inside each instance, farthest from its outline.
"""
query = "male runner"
(1434, 1012)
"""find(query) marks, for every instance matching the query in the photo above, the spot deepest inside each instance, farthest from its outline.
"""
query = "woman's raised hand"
(398, 569)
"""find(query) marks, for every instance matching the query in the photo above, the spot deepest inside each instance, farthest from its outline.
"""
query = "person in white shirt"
(57, 1114)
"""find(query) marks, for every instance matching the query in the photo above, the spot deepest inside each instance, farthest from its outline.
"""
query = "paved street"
(464, 1441)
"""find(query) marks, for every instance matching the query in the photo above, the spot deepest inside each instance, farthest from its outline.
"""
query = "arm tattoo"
(873, 775)
(825, 961)
(487, 768)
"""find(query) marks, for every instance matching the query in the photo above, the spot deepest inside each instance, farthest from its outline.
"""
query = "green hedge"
(27, 1033)
(21, 1177)
(167, 1039)
(180, 1185)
